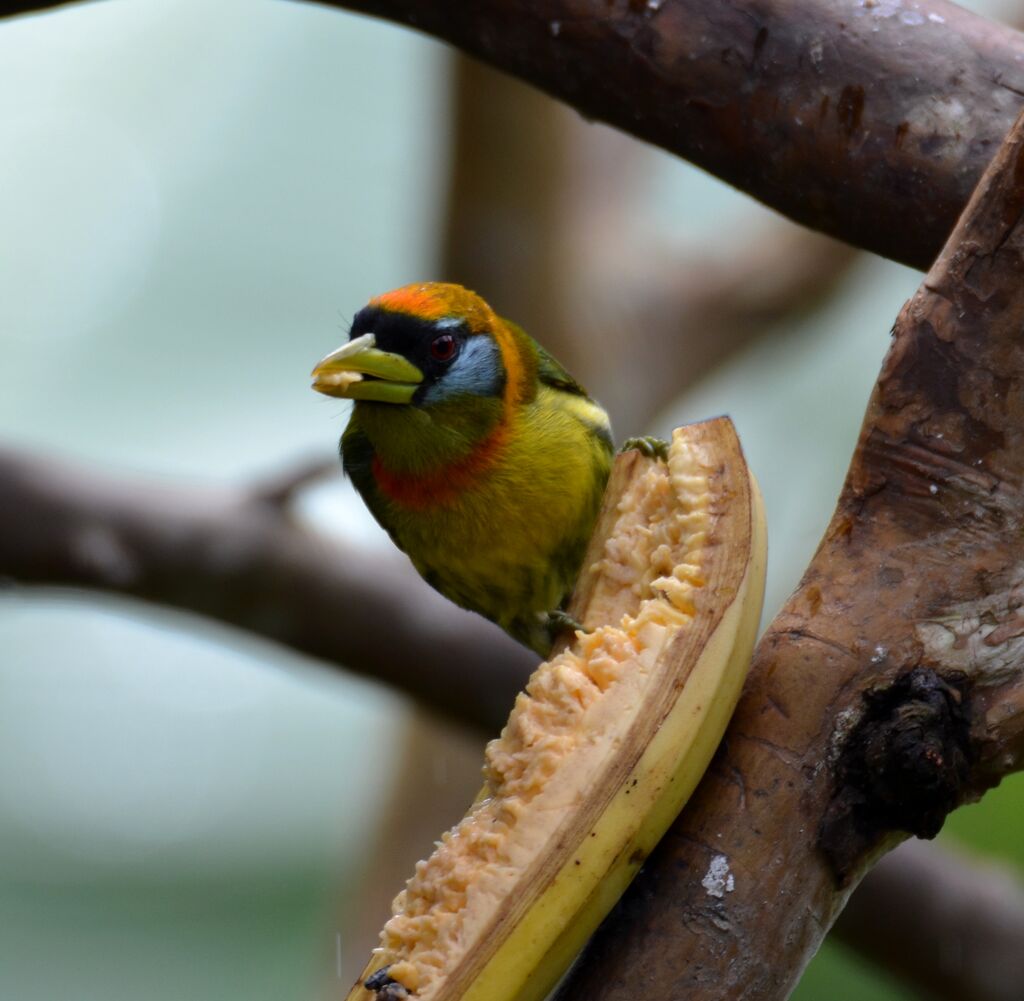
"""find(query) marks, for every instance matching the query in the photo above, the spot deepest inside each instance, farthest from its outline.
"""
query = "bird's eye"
(442, 347)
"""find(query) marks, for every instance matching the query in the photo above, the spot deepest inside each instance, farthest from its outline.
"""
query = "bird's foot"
(560, 621)
(653, 448)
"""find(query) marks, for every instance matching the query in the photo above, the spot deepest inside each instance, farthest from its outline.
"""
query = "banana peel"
(606, 743)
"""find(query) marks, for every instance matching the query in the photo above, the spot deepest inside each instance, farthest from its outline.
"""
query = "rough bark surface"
(901, 646)
(871, 120)
(546, 213)
(65, 526)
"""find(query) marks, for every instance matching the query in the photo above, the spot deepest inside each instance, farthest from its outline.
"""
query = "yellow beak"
(358, 371)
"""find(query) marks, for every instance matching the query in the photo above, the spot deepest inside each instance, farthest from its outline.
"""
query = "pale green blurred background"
(194, 199)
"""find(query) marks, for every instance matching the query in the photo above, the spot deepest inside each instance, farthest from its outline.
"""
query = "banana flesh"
(605, 745)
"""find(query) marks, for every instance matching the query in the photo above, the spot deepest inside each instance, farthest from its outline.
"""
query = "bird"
(482, 458)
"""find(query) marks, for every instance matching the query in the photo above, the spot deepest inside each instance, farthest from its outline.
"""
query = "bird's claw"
(560, 620)
(653, 448)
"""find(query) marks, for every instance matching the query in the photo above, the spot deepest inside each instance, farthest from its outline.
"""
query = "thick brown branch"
(65, 527)
(871, 121)
(554, 205)
(239, 558)
(879, 695)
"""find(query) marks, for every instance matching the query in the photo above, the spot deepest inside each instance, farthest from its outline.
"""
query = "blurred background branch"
(914, 584)
(569, 228)
(238, 556)
(948, 928)
(541, 207)
(241, 558)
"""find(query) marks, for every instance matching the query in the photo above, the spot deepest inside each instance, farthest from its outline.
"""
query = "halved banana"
(605, 745)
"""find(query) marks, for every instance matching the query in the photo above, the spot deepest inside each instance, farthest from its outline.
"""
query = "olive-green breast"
(507, 544)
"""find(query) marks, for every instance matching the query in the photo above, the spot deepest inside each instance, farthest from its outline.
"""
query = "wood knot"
(902, 768)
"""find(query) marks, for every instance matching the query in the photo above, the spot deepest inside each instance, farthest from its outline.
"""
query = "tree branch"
(869, 121)
(939, 923)
(207, 551)
(686, 316)
(888, 690)
(236, 556)
(554, 205)
(106, 545)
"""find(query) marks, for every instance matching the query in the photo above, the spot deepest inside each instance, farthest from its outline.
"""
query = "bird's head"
(425, 346)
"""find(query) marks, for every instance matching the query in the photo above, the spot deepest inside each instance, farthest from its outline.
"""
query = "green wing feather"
(550, 372)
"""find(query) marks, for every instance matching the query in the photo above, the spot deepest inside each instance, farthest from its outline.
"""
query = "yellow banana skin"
(638, 775)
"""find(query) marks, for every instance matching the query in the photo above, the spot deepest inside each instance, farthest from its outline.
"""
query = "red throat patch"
(446, 485)
(434, 301)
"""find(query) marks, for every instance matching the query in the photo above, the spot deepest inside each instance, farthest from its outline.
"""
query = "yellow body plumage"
(490, 476)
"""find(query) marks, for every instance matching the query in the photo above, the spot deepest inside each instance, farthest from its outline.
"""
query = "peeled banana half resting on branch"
(605, 745)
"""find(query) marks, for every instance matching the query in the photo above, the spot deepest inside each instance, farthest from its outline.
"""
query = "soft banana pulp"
(569, 720)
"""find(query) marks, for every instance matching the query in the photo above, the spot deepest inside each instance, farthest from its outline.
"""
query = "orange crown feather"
(436, 300)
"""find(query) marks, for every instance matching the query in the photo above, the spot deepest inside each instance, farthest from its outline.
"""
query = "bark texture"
(65, 526)
(898, 657)
(871, 120)
(892, 674)
(546, 213)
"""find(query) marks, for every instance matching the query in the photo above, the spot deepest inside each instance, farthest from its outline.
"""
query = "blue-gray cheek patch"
(476, 372)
